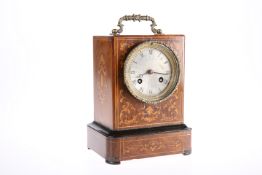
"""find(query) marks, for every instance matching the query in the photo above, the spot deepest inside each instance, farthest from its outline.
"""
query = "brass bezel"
(175, 72)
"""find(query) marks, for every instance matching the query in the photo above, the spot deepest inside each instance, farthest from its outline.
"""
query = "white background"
(46, 94)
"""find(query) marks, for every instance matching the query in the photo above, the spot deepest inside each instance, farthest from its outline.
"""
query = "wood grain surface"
(115, 107)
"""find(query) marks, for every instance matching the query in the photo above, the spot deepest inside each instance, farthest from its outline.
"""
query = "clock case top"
(114, 107)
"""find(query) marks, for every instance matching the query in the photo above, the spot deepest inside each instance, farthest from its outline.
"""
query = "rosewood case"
(125, 128)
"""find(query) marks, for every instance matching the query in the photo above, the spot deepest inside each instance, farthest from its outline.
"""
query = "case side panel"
(103, 85)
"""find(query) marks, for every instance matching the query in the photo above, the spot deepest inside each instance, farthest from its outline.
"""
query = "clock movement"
(138, 95)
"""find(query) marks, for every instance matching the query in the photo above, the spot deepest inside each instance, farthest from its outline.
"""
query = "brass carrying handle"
(136, 18)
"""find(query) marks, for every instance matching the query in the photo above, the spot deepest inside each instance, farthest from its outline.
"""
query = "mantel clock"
(138, 95)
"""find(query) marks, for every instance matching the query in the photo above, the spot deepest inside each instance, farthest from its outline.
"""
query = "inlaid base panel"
(116, 146)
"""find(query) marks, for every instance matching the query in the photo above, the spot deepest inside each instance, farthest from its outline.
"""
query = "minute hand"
(160, 73)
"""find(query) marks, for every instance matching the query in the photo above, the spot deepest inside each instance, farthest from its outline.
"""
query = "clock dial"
(151, 72)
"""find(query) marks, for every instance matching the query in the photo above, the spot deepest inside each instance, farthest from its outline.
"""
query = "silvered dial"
(151, 72)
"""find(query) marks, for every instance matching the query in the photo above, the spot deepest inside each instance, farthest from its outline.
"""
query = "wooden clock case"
(125, 128)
